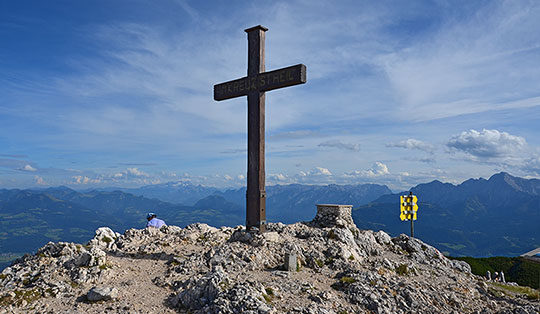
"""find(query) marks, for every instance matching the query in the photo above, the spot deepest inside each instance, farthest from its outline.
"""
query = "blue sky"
(119, 93)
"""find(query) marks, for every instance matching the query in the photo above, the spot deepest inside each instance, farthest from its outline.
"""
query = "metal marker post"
(411, 212)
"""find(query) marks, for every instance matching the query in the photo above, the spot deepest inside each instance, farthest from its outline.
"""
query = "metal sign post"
(409, 207)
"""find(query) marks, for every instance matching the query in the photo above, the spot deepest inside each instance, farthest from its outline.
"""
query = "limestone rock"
(104, 238)
(202, 269)
(102, 294)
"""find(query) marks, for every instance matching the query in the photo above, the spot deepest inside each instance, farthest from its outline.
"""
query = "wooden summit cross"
(254, 85)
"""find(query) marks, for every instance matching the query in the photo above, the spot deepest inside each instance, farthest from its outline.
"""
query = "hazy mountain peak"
(529, 186)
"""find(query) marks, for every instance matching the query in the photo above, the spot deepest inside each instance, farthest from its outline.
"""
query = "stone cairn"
(333, 215)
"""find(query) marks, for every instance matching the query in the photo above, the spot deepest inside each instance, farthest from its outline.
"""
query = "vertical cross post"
(254, 85)
(256, 193)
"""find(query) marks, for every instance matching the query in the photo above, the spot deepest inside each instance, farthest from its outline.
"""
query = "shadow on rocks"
(150, 256)
(82, 299)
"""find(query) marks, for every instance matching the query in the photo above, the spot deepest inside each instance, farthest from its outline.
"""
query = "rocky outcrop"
(202, 269)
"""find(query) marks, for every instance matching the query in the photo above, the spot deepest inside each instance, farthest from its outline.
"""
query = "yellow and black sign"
(409, 206)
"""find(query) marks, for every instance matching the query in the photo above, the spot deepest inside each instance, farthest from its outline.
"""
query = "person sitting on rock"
(154, 222)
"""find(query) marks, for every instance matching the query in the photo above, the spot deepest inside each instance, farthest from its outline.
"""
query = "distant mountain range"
(296, 202)
(499, 216)
(31, 218)
(173, 192)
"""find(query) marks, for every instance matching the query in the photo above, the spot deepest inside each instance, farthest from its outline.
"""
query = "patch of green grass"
(347, 280)
(3, 276)
(105, 266)
(50, 292)
(530, 293)
(203, 238)
(456, 247)
(224, 285)
(402, 270)
(351, 258)
(107, 239)
(331, 234)
(319, 263)
(26, 295)
(495, 292)
(269, 295)
(6, 300)
(516, 269)
(53, 234)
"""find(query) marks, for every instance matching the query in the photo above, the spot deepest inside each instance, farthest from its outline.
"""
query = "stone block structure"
(334, 215)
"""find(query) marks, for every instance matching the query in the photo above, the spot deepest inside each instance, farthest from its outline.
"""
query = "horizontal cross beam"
(262, 82)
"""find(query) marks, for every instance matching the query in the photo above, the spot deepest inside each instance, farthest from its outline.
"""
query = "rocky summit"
(327, 265)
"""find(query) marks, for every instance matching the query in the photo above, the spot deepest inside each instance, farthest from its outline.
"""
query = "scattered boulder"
(102, 294)
(104, 238)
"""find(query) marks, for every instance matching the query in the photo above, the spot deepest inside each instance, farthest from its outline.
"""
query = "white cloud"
(130, 173)
(85, 180)
(28, 168)
(136, 172)
(412, 144)
(340, 145)
(378, 169)
(277, 178)
(39, 180)
(487, 144)
(531, 166)
(317, 171)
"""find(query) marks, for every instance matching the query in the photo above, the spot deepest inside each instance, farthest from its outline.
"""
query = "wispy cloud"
(13, 156)
(39, 180)
(378, 169)
(138, 164)
(412, 144)
(401, 72)
(295, 134)
(340, 145)
(28, 168)
(464, 66)
(234, 151)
